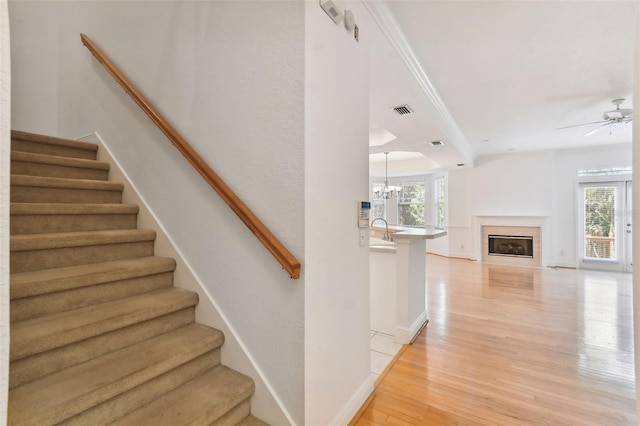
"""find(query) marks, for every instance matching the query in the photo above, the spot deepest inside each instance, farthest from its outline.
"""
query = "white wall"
(230, 77)
(525, 184)
(5, 144)
(336, 177)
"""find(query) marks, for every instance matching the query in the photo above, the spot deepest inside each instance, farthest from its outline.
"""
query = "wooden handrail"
(275, 247)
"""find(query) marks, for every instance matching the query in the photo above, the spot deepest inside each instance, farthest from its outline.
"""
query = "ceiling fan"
(609, 118)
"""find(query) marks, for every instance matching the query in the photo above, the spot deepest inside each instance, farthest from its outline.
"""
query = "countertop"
(401, 232)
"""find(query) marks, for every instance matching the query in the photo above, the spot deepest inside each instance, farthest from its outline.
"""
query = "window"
(600, 222)
(378, 203)
(411, 204)
(438, 198)
(605, 172)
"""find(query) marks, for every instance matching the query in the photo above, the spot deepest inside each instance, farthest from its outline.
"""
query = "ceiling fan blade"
(591, 132)
(584, 124)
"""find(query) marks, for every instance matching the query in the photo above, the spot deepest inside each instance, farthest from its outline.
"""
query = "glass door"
(628, 235)
(603, 213)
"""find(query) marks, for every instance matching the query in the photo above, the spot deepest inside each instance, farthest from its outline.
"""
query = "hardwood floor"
(511, 346)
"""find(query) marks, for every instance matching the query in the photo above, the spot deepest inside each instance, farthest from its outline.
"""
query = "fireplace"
(511, 245)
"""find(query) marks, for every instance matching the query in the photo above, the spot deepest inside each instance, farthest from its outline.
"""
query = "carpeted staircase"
(99, 335)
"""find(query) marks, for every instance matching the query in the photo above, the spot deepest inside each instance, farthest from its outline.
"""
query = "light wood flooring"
(512, 346)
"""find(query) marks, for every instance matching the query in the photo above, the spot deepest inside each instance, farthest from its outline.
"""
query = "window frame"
(439, 202)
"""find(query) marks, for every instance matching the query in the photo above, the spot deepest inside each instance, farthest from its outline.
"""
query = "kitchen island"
(398, 280)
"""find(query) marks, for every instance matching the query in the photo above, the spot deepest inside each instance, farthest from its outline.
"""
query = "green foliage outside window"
(599, 222)
(411, 204)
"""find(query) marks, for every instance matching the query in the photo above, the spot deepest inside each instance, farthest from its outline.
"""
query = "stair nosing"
(26, 242)
(210, 381)
(54, 182)
(202, 340)
(52, 140)
(36, 283)
(78, 163)
(76, 325)
(19, 209)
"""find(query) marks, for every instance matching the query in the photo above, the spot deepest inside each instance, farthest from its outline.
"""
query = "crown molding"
(383, 17)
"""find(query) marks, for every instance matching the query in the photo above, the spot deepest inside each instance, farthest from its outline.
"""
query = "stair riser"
(118, 385)
(129, 401)
(36, 366)
(34, 194)
(35, 260)
(49, 149)
(53, 170)
(37, 224)
(53, 303)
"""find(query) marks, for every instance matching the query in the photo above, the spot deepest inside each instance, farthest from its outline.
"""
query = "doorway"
(604, 225)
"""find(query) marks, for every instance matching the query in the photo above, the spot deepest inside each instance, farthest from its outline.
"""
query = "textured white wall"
(636, 214)
(230, 77)
(337, 378)
(530, 183)
(5, 147)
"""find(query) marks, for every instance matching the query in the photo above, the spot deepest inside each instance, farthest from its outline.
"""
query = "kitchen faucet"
(386, 236)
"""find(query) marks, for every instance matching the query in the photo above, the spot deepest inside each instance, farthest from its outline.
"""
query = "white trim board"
(354, 404)
(265, 404)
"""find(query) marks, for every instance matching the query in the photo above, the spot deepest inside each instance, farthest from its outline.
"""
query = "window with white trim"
(378, 203)
(411, 204)
(438, 198)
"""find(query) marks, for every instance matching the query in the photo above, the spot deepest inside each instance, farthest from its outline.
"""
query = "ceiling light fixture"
(387, 191)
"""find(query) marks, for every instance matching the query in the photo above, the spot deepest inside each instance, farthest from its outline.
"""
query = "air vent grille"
(403, 109)
(437, 143)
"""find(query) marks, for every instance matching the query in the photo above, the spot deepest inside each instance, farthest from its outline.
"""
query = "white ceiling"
(509, 73)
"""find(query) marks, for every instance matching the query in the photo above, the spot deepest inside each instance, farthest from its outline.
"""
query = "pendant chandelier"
(388, 191)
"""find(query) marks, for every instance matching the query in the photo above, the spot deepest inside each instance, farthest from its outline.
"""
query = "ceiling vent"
(403, 110)
(437, 143)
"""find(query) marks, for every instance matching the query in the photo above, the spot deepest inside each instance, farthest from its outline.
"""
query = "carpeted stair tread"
(33, 157)
(31, 142)
(44, 333)
(52, 182)
(25, 242)
(28, 284)
(98, 332)
(252, 421)
(17, 209)
(38, 218)
(39, 189)
(61, 395)
(200, 401)
(33, 164)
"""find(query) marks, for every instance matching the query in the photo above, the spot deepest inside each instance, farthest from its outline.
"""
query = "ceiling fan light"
(613, 115)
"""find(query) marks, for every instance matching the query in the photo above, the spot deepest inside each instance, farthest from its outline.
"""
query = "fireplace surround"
(511, 245)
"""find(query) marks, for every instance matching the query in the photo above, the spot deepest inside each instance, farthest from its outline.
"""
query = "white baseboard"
(355, 402)
(266, 405)
(404, 336)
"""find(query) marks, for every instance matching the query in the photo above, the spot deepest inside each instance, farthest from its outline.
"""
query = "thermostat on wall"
(333, 8)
